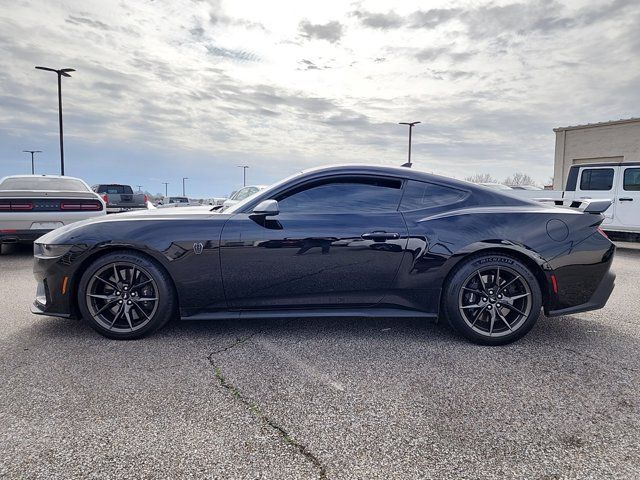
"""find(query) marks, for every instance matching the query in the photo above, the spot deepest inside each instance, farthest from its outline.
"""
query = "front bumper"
(54, 292)
(598, 299)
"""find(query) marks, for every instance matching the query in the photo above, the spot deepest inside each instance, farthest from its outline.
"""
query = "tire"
(138, 301)
(488, 314)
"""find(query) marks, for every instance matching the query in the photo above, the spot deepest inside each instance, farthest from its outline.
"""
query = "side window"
(631, 179)
(343, 195)
(418, 195)
(596, 179)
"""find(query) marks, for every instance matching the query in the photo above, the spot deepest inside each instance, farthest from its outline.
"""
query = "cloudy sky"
(194, 87)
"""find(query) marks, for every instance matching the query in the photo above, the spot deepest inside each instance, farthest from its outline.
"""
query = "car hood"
(167, 214)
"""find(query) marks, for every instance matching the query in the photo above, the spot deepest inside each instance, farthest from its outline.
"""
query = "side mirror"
(266, 208)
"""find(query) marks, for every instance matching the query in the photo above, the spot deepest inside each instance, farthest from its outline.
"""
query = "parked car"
(524, 187)
(32, 205)
(618, 182)
(337, 241)
(243, 193)
(497, 186)
(120, 198)
(172, 202)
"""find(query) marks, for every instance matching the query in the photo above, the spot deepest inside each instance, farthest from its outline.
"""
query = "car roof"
(403, 172)
(40, 176)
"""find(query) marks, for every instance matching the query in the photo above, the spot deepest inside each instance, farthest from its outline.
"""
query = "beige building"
(614, 141)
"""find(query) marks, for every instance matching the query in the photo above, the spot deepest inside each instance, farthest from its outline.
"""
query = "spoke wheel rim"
(495, 301)
(122, 297)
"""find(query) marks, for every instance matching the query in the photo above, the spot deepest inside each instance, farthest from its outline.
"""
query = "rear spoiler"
(595, 206)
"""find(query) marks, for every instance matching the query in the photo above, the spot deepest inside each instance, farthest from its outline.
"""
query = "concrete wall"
(609, 142)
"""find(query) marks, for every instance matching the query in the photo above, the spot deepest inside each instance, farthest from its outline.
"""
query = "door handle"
(585, 198)
(380, 236)
(626, 199)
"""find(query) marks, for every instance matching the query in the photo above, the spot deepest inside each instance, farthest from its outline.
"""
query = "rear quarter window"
(418, 195)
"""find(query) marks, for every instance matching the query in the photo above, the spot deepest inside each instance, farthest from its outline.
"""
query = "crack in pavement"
(255, 409)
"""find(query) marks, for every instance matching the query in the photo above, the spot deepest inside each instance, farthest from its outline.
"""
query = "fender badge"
(197, 248)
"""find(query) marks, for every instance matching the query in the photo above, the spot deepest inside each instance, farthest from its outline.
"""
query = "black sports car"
(337, 241)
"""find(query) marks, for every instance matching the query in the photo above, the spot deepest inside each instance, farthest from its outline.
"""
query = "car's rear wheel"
(126, 295)
(492, 299)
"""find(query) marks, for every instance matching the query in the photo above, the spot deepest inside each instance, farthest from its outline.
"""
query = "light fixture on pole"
(411, 125)
(32, 152)
(64, 72)
(244, 174)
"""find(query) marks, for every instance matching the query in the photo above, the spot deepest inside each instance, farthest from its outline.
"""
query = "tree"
(481, 178)
(519, 178)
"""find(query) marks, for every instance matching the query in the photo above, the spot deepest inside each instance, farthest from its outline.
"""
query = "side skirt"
(309, 313)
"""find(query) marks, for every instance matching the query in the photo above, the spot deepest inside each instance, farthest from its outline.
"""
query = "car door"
(628, 198)
(336, 241)
(598, 183)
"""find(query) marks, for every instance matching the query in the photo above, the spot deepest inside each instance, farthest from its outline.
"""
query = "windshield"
(244, 193)
(43, 183)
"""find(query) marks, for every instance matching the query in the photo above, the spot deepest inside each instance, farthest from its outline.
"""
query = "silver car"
(244, 192)
(32, 205)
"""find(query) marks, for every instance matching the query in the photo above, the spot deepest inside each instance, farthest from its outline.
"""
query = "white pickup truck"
(618, 182)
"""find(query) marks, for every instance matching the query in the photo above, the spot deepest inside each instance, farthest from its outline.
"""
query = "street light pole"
(244, 174)
(183, 191)
(166, 192)
(64, 72)
(411, 125)
(33, 168)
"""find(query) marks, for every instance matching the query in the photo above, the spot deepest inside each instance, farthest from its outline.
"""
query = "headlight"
(42, 250)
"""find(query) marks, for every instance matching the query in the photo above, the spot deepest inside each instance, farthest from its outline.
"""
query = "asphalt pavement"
(319, 398)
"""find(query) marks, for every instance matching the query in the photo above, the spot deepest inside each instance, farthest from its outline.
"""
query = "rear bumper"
(598, 299)
(20, 236)
(125, 209)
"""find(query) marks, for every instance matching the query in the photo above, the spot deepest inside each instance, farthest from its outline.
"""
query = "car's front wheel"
(126, 295)
(492, 299)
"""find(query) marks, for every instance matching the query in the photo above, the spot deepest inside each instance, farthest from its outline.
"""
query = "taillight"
(146, 199)
(21, 205)
(603, 233)
(105, 197)
(81, 206)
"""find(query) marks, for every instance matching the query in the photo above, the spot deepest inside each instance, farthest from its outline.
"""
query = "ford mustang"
(336, 241)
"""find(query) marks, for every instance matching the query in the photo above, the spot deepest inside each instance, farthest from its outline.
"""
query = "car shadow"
(17, 250)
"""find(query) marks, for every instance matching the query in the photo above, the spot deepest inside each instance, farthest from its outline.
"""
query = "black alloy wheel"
(126, 295)
(492, 299)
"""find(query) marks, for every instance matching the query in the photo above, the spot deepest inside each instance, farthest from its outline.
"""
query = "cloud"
(431, 54)
(331, 31)
(214, 84)
(88, 22)
(434, 17)
(232, 54)
(382, 21)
